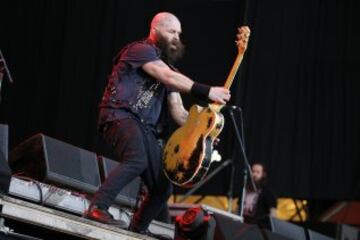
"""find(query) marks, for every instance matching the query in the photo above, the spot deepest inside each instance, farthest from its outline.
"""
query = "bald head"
(164, 19)
(165, 24)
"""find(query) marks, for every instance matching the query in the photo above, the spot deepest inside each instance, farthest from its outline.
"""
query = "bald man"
(142, 80)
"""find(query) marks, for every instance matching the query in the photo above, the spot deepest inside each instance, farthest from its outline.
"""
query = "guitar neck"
(230, 79)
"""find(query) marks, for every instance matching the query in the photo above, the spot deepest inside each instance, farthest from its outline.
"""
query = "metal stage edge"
(77, 226)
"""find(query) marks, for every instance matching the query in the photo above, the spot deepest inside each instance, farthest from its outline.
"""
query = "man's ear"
(155, 29)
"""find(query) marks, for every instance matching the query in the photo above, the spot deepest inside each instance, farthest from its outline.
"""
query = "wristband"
(200, 91)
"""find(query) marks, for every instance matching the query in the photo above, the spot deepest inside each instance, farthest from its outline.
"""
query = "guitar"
(188, 152)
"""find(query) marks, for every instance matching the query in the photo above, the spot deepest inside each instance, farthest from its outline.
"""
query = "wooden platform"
(55, 220)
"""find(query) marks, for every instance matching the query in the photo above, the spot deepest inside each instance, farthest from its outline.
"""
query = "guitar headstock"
(242, 38)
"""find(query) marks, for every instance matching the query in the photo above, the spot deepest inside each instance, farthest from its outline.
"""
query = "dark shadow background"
(298, 85)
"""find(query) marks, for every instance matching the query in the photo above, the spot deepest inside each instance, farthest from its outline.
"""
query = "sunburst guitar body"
(188, 152)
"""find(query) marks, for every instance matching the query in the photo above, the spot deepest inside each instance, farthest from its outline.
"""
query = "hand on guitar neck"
(219, 95)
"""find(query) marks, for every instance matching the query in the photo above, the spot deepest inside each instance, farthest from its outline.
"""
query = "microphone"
(233, 107)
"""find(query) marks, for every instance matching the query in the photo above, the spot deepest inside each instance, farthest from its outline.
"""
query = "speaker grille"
(50, 160)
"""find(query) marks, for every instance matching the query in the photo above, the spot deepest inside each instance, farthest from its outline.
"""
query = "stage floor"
(77, 226)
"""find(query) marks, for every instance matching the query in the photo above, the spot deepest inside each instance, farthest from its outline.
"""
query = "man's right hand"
(219, 95)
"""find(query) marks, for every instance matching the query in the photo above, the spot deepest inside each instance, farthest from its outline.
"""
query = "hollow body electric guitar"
(188, 152)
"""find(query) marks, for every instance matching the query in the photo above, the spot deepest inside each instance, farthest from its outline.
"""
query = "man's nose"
(176, 36)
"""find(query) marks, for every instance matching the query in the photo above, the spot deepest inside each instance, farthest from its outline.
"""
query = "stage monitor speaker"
(230, 227)
(286, 229)
(128, 195)
(49, 160)
(347, 232)
(268, 235)
(4, 141)
(5, 172)
(318, 236)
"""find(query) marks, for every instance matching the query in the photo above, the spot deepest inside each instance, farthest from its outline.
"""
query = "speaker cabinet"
(5, 172)
(268, 235)
(49, 160)
(127, 196)
(230, 228)
(347, 232)
(4, 142)
(318, 236)
(286, 229)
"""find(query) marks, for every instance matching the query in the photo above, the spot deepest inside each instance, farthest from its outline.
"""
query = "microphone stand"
(3, 66)
(247, 168)
(1, 77)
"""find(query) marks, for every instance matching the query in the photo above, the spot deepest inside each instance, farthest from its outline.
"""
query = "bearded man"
(142, 86)
(261, 202)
